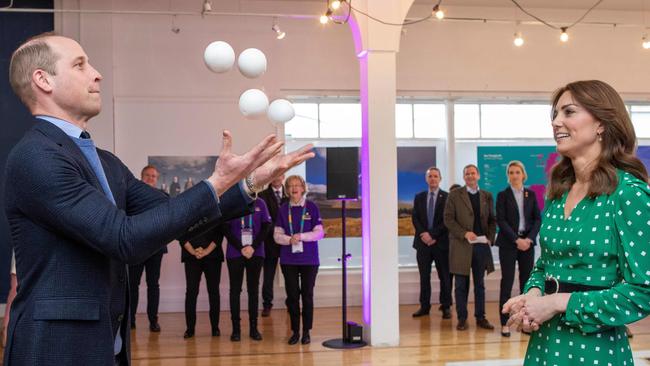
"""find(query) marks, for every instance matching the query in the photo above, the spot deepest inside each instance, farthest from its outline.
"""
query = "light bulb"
(645, 42)
(324, 19)
(564, 36)
(438, 12)
(335, 4)
(519, 40)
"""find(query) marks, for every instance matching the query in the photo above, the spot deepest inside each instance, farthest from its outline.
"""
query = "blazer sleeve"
(419, 226)
(502, 219)
(53, 192)
(535, 219)
(492, 222)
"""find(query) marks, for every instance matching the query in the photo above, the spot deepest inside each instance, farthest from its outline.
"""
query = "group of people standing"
(456, 230)
(284, 227)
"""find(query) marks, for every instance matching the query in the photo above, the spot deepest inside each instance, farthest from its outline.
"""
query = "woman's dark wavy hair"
(618, 140)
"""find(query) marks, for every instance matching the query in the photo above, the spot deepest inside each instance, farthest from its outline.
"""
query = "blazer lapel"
(464, 196)
(513, 203)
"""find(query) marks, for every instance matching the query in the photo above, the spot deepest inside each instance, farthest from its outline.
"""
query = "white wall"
(159, 98)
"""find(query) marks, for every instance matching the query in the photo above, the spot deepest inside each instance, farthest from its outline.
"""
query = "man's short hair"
(33, 54)
(436, 169)
(147, 168)
(471, 166)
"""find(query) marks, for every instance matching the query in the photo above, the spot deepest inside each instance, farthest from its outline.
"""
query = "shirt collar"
(299, 204)
(472, 191)
(67, 127)
(517, 190)
(435, 192)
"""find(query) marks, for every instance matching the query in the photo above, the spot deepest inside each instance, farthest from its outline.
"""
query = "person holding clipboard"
(297, 229)
(245, 252)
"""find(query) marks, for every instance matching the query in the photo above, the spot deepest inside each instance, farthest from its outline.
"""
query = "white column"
(451, 142)
(376, 47)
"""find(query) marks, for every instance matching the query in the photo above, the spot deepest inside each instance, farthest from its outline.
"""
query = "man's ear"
(43, 80)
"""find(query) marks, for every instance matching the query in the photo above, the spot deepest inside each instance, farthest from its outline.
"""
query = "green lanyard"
(250, 222)
(302, 219)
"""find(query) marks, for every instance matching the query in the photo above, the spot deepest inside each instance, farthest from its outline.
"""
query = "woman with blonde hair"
(297, 229)
(593, 276)
(518, 219)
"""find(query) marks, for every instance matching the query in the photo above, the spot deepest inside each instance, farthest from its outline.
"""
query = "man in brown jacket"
(469, 216)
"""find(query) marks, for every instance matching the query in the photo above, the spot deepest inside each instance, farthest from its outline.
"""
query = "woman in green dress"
(593, 276)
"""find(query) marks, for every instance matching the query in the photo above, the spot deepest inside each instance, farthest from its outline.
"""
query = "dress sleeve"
(628, 300)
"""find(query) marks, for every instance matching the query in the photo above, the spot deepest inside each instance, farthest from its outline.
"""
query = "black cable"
(551, 25)
(383, 22)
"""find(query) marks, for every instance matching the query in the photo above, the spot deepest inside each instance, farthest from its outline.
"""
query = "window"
(430, 120)
(641, 120)
(339, 120)
(516, 121)
(305, 123)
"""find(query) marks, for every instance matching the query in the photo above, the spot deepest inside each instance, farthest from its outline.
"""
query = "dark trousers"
(480, 255)
(236, 268)
(152, 267)
(270, 266)
(425, 257)
(299, 282)
(193, 270)
(508, 256)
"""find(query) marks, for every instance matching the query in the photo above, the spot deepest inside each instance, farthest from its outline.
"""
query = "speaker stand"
(343, 343)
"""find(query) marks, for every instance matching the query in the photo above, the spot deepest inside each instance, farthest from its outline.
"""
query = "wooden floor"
(423, 341)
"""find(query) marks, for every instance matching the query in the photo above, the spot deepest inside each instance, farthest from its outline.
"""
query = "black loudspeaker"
(342, 173)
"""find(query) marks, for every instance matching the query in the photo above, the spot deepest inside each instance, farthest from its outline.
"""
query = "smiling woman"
(591, 278)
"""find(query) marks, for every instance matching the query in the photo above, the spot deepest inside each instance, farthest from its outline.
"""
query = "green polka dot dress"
(606, 243)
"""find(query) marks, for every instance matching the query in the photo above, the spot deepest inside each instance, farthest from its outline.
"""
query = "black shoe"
(188, 334)
(421, 312)
(306, 339)
(255, 334)
(154, 327)
(266, 312)
(133, 325)
(295, 337)
(235, 336)
(446, 313)
(505, 334)
(484, 323)
(216, 332)
(462, 324)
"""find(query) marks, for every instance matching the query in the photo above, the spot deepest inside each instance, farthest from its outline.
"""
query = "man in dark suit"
(77, 215)
(469, 217)
(431, 242)
(149, 175)
(274, 196)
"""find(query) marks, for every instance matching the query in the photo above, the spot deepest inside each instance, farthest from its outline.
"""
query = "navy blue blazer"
(508, 217)
(419, 218)
(72, 245)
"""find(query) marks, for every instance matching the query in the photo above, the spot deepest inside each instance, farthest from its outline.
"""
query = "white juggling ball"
(219, 56)
(253, 103)
(281, 111)
(252, 63)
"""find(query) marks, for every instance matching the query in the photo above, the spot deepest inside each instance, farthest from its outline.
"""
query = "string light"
(645, 43)
(564, 37)
(326, 17)
(335, 4)
(519, 39)
(437, 12)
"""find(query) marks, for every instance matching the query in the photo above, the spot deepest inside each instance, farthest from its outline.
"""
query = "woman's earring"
(600, 137)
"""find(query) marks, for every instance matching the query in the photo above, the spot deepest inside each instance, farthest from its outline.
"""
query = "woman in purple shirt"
(245, 251)
(297, 229)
